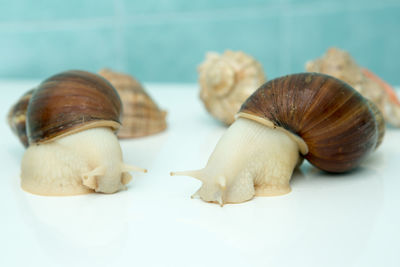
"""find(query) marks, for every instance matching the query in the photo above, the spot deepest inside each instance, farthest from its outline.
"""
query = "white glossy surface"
(327, 220)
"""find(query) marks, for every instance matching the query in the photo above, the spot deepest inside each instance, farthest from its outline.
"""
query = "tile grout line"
(119, 41)
(249, 13)
(63, 25)
(187, 16)
(284, 53)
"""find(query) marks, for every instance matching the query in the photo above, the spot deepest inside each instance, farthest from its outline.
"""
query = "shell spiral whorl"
(335, 121)
(221, 77)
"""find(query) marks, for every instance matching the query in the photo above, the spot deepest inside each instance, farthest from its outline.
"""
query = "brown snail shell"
(17, 117)
(141, 115)
(226, 81)
(333, 119)
(63, 104)
(69, 102)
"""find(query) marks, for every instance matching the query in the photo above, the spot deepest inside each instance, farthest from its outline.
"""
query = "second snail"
(68, 124)
(307, 115)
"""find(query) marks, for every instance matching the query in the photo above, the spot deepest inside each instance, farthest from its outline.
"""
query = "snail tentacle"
(89, 178)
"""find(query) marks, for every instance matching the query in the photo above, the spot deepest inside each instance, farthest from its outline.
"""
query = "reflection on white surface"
(92, 226)
(327, 220)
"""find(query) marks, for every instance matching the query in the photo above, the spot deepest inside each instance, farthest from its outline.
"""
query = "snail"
(72, 149)
(226, 81)
(141, 116)
(340, 64)
(308, 115)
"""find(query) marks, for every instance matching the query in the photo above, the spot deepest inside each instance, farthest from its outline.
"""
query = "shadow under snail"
(72, 149)
(308, 115)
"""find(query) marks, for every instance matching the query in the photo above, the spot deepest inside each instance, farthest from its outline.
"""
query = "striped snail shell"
(309, 114)
(63, 104)
(70, 122)
(71, 102)
(141, 116)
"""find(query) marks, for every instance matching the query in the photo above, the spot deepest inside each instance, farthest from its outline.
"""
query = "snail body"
(79, 163)
(70, 123)
(308, 115)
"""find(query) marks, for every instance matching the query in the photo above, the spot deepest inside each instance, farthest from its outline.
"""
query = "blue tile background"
(164, 41)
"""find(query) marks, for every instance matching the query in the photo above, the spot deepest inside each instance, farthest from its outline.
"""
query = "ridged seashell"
(226, 81)
(141, 115)
(340, 64)
(312, 114)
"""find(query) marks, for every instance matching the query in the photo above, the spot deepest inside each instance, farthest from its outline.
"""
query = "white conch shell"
(340, 64)
(226, 81)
